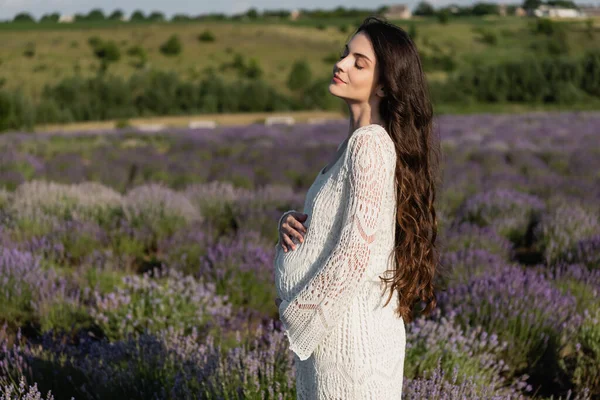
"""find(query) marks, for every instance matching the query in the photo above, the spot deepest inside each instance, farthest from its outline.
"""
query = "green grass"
(62, 50)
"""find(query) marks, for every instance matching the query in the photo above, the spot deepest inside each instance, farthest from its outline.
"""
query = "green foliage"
(29, 50)
(107, 52)
(23, 17)
(96, 15)
(590, 82)
(156, 16)
(317, 96)
(138, 16)
(483, 8)
(544, 26)
(140, 54)
(94, 41)
(558, 44)
(532, 4)
(252, 13)
(531, 80)
(152, 304)
(443, 17)
(172, 46)
(253, 70)
(424, 8)
(16, 112)
(412, 32)
(562, 3)
(488, 36)
(206, 36)
(589, 27)
(331, 58)
(116, 15)
(300, 76)
(63, 316)
(53, 18)
(438, 62)
(584, 363)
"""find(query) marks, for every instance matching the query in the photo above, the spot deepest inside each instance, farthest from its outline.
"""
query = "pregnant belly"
(292, 268)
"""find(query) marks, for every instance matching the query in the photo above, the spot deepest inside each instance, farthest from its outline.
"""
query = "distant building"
(294, 14)
(453, 9)
(556, 12)
(398, 11)
(502, 9)
(66, 19)
(520, 12)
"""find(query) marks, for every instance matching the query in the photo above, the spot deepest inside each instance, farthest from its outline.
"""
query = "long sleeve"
(317, 308)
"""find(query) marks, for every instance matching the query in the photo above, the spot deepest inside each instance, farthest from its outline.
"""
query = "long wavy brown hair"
(408, 114)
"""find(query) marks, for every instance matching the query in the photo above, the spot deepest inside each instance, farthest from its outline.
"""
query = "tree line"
(552, 80)
(423, 8)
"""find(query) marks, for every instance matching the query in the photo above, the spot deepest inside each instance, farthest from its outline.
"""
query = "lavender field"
(139, 265)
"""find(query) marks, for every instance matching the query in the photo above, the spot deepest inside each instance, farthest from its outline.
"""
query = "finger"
(299, 236)
(283, 241)
(286, 242)
(290, 243)
(299, 226)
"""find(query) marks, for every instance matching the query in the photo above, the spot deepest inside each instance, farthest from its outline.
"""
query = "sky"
(9, 8)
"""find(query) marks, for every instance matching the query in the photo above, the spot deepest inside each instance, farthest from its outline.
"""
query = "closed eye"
(356, 65)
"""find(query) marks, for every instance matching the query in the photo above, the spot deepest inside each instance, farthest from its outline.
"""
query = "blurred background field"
(136, 251)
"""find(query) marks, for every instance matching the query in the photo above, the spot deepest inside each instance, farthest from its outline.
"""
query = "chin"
(332, 90)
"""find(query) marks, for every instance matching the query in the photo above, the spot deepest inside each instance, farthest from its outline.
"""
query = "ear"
(380, 91)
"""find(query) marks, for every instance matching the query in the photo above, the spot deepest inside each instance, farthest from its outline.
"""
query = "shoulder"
(371, 142)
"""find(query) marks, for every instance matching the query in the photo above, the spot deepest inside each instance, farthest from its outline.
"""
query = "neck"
(362, 114)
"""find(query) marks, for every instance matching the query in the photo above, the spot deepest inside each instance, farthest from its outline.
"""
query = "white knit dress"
(346, 344)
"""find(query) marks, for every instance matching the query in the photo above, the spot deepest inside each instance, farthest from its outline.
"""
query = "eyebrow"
(358, 54)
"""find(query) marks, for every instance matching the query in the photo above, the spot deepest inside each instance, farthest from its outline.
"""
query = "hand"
(291, 226)
(277, 302)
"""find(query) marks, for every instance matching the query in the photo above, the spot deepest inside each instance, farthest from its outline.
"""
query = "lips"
(338, 77)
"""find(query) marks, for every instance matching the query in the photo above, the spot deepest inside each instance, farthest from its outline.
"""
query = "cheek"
(362, 81)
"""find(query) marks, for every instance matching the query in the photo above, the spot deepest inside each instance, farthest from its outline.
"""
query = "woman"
(370, 212)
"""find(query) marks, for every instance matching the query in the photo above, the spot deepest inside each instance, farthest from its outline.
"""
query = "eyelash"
(354, 64)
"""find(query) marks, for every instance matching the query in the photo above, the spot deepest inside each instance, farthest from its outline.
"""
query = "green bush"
(156, 303)
(107, 52)
(300, 76)
(206, 36)
(544, 26)
(590, 80)
(94, 41)
(252, 70)
(317, 96)
(331, 58)
(412, 32)
(584, 363)
(443, 17)
(438, 62)
(489, 37)
(172, 46)
(29, 50)
(140, 54)
(16, 112)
